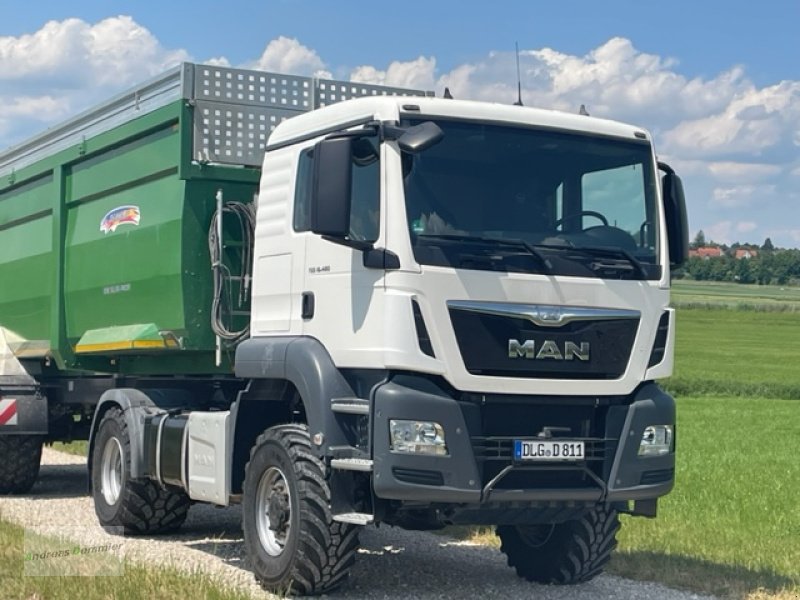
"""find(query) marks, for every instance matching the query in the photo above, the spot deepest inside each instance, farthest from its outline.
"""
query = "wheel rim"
(274, 511)
(111, 471)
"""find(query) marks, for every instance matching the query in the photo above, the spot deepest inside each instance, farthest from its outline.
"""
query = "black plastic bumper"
(617, 474)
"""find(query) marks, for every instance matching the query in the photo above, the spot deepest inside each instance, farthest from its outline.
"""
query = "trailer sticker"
(121, 215)
(8, 411)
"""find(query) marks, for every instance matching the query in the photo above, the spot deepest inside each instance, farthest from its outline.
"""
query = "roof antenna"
(519, 81)
(447, 93)
(582, 111)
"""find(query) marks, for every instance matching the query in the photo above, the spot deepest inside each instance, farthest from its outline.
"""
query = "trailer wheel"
(565, 553)
(138, 506)
(20, 456)
(292, 541)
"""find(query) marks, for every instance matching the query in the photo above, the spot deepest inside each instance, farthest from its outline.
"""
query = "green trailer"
(112, 262)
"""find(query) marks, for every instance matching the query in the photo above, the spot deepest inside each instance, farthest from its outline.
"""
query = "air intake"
(660, 344)
(423, 339)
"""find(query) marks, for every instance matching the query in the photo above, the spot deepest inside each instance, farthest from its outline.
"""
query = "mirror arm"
(369, 129)
(391, 131)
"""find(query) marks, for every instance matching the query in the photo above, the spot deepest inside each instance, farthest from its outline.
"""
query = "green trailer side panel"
(25, 201)
(26, 292)
(123, 258)
(126, 165)
(129, 275)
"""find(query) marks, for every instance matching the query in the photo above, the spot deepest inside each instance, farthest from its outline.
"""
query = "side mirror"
(675, 211)
(331, 190)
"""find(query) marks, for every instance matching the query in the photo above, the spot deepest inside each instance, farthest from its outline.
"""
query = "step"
(354, 518)
(352, 464)
(350, 406)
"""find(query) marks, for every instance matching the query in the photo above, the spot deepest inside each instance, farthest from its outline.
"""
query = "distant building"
(745, 253)
(706, 252)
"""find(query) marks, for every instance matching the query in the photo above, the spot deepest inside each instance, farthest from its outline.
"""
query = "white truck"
(457, 316)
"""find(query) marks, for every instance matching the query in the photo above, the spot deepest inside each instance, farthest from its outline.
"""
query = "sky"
(716, 82)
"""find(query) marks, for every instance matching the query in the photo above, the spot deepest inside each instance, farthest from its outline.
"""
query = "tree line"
(769, 265)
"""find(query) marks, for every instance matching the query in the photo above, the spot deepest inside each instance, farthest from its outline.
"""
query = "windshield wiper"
(507, 242)
(606, 251)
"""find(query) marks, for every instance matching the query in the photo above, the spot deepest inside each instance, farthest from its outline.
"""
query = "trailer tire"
(564, 553)
(292, 541)
(19, 465)
(137, 506)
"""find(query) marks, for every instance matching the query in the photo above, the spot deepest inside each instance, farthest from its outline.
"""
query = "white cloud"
(742, 172)
(746, 226)
(70, 53)
(417, 74)
(752, 122)
(614, 80)
(288, 55)
(742, 196)
(217, 61)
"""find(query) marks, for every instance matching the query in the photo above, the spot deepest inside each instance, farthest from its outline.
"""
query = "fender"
(304, 362)
(135, 405)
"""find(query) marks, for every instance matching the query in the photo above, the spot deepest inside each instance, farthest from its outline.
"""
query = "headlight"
(656, 441)
(417, 437)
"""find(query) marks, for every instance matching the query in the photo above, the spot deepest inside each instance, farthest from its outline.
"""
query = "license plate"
(548, 450)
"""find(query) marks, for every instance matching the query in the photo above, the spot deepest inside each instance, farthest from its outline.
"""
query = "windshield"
(502, 198)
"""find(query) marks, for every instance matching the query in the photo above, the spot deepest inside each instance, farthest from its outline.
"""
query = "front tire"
(292, 541)
(564, 553)
(138, 506)
(20, 457)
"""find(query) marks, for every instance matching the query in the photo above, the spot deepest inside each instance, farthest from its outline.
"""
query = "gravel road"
(392, 563)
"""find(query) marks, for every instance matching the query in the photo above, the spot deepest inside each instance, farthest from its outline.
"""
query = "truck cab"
(489, 286)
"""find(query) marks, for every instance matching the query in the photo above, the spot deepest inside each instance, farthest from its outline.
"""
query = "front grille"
(495, 424)
(508, 346)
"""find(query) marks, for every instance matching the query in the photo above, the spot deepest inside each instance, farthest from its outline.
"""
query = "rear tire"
(20, 457)
(292, 541)
(138, 506)
(565, 553)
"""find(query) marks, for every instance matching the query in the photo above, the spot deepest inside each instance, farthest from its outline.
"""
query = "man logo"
(548, 349)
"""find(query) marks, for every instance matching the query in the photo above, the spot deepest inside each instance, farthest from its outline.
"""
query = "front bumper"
(479, 467)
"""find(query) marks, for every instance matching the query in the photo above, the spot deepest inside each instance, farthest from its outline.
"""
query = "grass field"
(737, 353)
(701, 294)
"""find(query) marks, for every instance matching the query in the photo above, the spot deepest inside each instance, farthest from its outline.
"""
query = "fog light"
(656, 441)
(417, 437)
